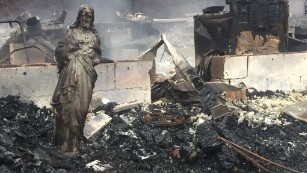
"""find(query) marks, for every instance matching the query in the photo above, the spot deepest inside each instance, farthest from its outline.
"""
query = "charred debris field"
(131, 144)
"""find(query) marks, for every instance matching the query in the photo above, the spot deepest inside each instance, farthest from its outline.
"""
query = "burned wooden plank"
(126, 106)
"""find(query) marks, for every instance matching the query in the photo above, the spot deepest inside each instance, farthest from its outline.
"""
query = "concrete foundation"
(120, 82)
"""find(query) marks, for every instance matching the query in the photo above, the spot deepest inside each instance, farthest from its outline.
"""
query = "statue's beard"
(86, 25)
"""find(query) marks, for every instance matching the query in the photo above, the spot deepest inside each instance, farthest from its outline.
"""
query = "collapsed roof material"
(209, 99)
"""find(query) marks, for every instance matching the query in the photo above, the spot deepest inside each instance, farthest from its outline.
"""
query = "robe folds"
(76, 57)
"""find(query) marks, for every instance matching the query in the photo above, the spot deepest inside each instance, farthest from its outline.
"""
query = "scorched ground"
(129, 144)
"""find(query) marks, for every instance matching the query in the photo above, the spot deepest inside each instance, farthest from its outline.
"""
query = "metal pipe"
(22, 32)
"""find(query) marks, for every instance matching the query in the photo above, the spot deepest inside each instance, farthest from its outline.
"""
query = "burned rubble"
(177, 131)
(130, 144)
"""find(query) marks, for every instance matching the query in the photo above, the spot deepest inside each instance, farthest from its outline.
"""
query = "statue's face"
(86, 18)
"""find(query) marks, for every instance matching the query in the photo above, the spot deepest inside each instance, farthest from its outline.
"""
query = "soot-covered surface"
(128, 144)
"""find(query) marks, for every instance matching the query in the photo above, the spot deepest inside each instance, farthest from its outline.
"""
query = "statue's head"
(85, 17)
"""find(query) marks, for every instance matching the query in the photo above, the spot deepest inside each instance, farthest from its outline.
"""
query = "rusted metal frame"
(208, 98)
(248, 158)
(256, 155)
(255, 163)
(22, 32)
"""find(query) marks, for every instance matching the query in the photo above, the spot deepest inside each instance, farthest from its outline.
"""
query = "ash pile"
(165, 136)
